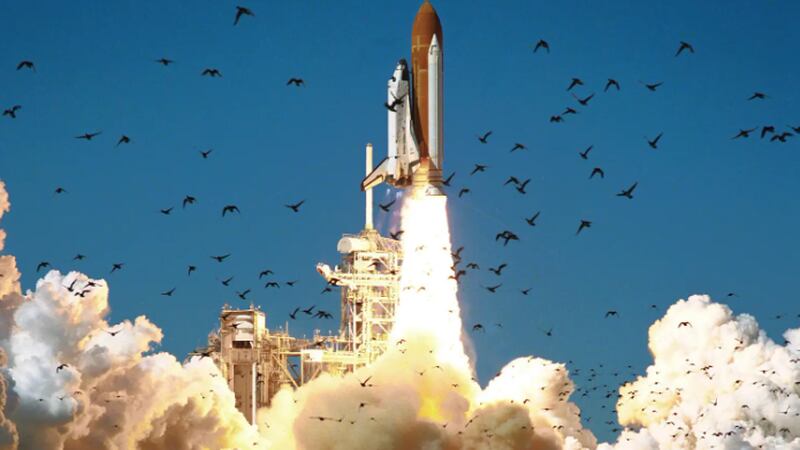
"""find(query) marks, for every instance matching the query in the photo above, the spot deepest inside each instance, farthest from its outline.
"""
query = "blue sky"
(710, 215)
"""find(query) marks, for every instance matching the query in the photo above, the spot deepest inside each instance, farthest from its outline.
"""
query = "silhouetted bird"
(26, 65)
(652, 87)
(189, 200)
(164, 61)
(628, 193)
(532, 221)
(744, 133)
(654, 143)
(583, 101)
(242, 11)
(541, 44)
(221, 258)
(479, 168)
(584, 224)
(517, 146)
(447, 180)
(168, 293)
(296, 81)
(205, 154)
(684, 46)
(42, 265)
(387, 206)
(574, 82)
(597, 171)
(211, 72)
(463, 191)
(758, 96)
(230, 209)
(611, 82)
(88, 136)
(123, 140)
(585, 154)
(296, 207)
(483, 139)
(12, 112)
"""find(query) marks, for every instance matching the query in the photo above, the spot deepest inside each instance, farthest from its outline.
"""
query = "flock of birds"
(591, 377)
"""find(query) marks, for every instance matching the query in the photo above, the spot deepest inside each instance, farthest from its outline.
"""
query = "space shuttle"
(415, 152)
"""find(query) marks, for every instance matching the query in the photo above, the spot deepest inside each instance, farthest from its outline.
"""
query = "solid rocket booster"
(415, 152)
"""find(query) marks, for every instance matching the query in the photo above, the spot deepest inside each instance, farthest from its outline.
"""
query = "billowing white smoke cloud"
(73, 385)
(717, 381)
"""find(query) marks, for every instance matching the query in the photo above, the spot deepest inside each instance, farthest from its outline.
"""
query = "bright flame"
(428, 301)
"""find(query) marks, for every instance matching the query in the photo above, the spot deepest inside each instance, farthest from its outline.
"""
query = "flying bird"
(447, 180)
(521, 186)
(583, 101)
(574, 82)
(296, 207)
(242, 11)
(484, 139)
(611, 82)
(556, 119)
(190, 269)
(532, 220)
(116, 266)
(221, 258)
(744, 133)
(463, 191)
(168, 293)
(685, 324)
(654, 143)
(518, 146)
(26, 65)
(230, 209)
(88, 136)
(205, 154)
(611, 313)
(585, 154)
(189, 200)
(211, 72)
(479, 168)
(265, 273)
(652, 87)
(628, 193)
(597, 171)
(758, 96)
(541, 44)
(499, 269)
(584, 224)
(387, 206)
(767, 129)
(12, 112)
(478, 327)
(296, 81)
(684, 46)
(42, 265)
(123, 140)
(164, 61)
(60, 190)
